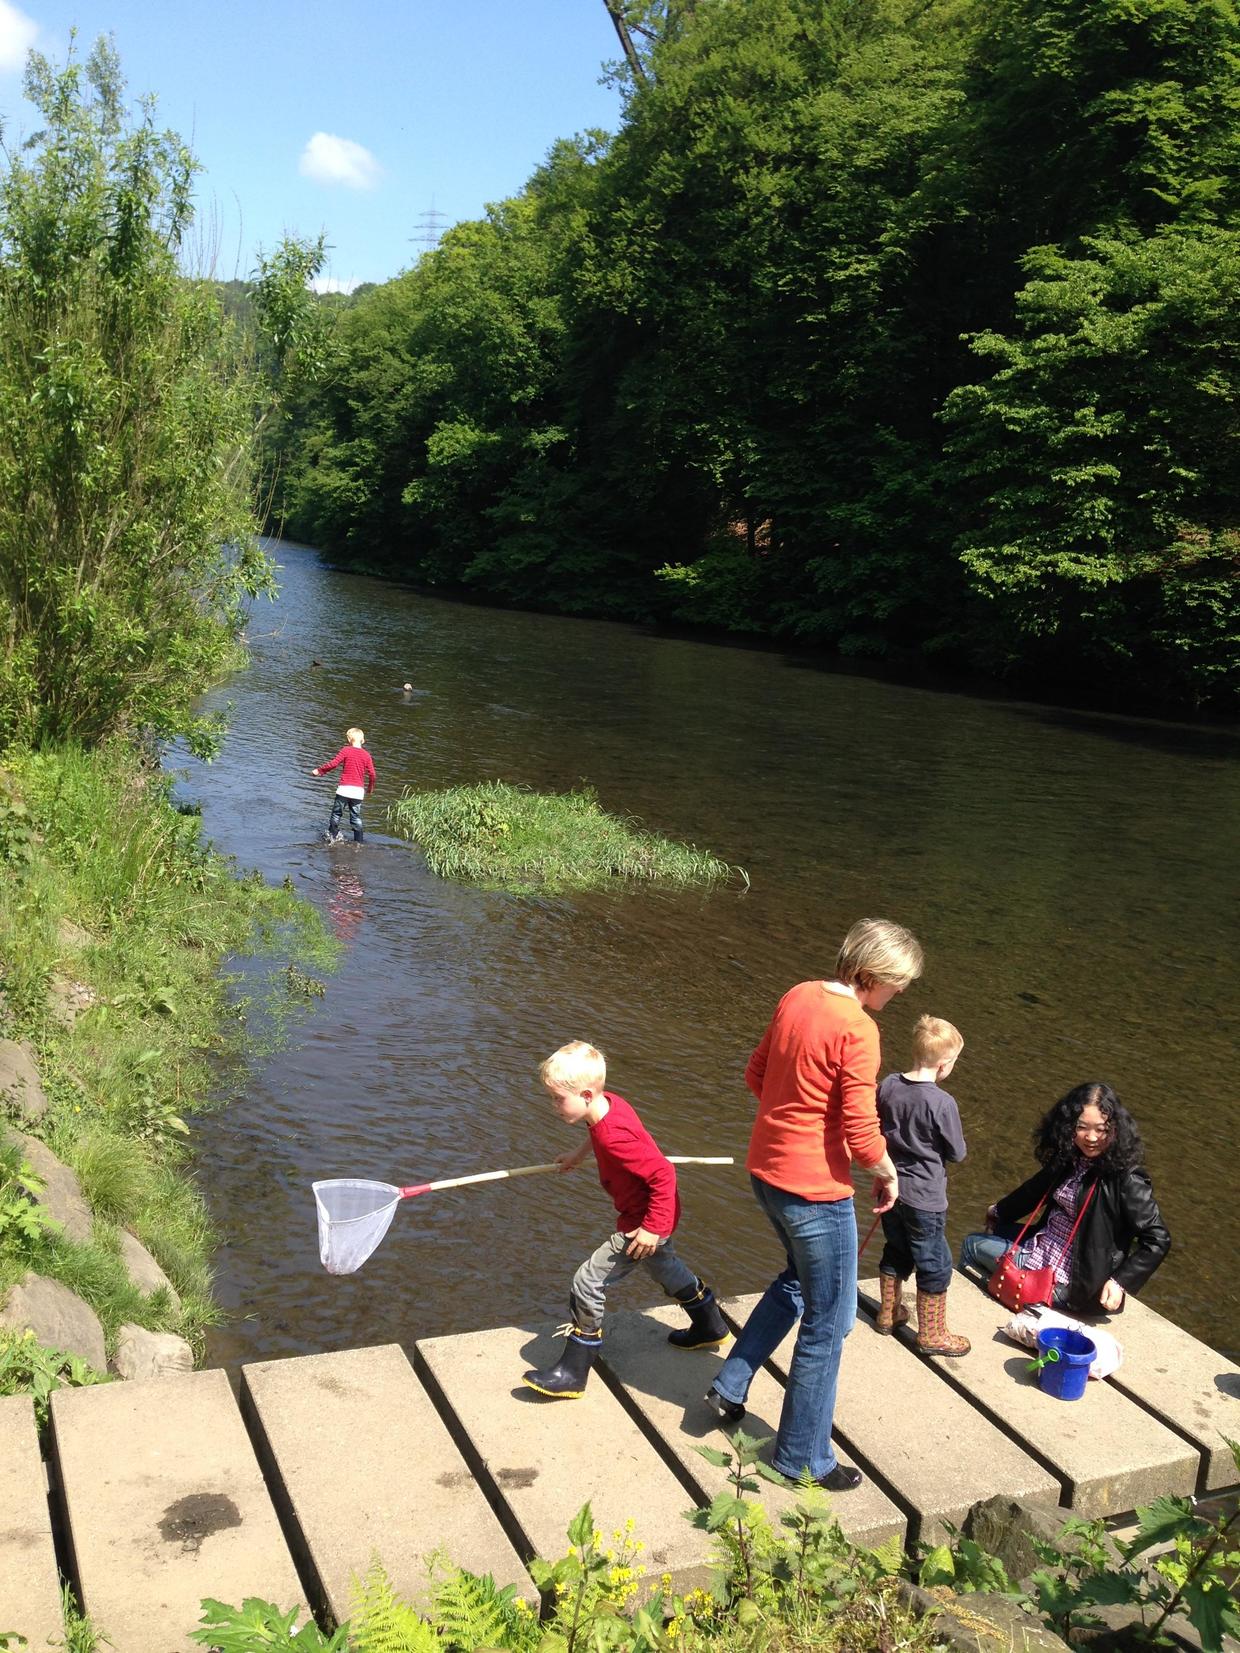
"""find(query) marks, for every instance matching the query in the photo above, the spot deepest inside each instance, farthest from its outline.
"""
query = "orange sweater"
(814, 1075)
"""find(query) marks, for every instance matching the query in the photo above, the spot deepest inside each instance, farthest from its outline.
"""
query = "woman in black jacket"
(1090, 1151)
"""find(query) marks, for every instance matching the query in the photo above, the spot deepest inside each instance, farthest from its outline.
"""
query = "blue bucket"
(1065, 1378)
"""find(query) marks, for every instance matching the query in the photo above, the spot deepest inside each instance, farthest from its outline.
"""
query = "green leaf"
(1162, 1521)
(939, 1567)
(581, 1527)
(1212, 1612)
(714, 1455)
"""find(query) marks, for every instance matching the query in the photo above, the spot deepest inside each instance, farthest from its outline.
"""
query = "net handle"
(529, 1171)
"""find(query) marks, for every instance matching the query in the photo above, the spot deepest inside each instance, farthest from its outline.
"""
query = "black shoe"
(728, 1411)
(840, 1479)
(706, 1329)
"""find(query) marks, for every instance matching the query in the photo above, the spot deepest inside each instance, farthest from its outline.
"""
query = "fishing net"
(354, 1215)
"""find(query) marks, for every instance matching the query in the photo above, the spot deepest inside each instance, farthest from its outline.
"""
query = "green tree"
(127, 546)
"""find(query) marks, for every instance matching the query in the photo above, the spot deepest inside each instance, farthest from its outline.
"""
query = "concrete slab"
(165, 1504)
(357, 1455)
(29, 1580)
(1188, 1384)
(934, 1451)
(1108, 1453)
(546, 1458)
(665, 1385)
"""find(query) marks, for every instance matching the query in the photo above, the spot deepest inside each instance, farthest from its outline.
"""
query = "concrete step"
(546, 1458)
(29, 1580)
(666, 1385)
(357, 1456)
(1192, 1387)
(1108, 1454)
(165, 1504)
(934, 1451)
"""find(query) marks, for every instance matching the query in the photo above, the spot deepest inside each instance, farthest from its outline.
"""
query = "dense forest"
(904, 327)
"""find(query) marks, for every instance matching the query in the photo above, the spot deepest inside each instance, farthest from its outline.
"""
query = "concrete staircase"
(163, 1494)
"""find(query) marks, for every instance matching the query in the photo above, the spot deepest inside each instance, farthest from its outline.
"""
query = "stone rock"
(1003, 1526)
(143, 1271)
(143, 1356)
(981, 1623)
(62, 1195)
(67, 999)
(72, 937)
(56, 1316)
(20, 1089)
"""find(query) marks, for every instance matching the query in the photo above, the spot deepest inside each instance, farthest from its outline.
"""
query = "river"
(1071, 875)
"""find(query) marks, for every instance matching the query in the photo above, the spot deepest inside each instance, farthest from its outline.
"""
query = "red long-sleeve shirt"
(358, 767)
(634, 1172)
(814, 1076)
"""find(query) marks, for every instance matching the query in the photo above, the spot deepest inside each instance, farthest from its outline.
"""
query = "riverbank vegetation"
(114, 921)
(900, 328)
(506, 837)
(129, 415)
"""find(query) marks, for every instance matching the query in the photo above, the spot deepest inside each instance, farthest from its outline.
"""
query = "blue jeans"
(818, 1287)
(983, 1251)
(355, 816)
(917, 1240)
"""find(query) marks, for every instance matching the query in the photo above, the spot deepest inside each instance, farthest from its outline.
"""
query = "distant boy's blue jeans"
(917, 1240)
(355, 816)
(819, 1287)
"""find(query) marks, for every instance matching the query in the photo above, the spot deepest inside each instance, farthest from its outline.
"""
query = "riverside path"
(150, 1497)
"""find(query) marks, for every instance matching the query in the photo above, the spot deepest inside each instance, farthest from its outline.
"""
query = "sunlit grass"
(505, 837)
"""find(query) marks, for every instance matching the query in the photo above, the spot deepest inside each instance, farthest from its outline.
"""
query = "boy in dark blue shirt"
(922, 1126)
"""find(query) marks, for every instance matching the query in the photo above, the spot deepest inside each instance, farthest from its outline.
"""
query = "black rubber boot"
(566, 1380)
(706, 1329)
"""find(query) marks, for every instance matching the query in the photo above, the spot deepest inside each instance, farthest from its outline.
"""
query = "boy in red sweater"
(357, 780)
(642, 1185)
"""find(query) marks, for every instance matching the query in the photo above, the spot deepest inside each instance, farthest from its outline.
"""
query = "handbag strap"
(1041, 1211)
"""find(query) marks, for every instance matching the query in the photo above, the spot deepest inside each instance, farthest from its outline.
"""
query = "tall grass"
(505, 837)
(93, 838)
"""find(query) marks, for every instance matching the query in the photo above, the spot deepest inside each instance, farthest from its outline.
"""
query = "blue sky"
(349, 116)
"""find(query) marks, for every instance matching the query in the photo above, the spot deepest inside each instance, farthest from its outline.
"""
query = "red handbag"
(1015, 1287)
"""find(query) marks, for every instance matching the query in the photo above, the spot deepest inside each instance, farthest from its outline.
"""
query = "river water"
(1072, 877)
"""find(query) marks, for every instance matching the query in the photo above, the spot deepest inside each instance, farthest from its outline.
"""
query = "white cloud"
(18, 34)
(330, 284)
(331, 160)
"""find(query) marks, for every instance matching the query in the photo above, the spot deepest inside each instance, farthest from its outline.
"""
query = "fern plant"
(381, 1622)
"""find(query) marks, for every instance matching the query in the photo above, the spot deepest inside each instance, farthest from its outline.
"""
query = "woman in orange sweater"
(814, 1076)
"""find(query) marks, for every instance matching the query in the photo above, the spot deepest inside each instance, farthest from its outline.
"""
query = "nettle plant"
(1190, 1575)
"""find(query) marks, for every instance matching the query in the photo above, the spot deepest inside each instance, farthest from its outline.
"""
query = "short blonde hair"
(935, 1042)
(877, 951)
(360, 735)
(576, 1066)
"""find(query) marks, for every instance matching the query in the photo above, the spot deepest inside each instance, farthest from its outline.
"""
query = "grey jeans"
(608, 1265)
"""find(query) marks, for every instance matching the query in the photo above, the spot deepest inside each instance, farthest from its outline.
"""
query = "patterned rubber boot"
(933, 1337)
(566, 1380)
(891, 1312)
(706, 1329)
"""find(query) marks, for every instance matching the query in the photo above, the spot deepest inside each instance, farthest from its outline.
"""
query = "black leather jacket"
(1122, 1236)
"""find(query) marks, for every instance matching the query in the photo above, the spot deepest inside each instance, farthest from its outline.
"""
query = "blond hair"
(355, 737)
(935, 1042)
(576, 1066)
(877, 951)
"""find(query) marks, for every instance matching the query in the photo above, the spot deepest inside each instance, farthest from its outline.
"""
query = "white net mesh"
(354, 1215)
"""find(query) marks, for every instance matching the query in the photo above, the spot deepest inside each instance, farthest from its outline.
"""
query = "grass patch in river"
(505, 837)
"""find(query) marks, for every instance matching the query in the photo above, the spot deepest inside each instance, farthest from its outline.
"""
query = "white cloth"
(350, 791)
(1025, 1326)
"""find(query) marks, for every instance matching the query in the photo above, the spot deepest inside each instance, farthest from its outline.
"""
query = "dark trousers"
(355, 816)
(917, 1241)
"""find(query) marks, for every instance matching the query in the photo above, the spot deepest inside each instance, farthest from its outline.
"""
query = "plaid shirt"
(1050, 1249)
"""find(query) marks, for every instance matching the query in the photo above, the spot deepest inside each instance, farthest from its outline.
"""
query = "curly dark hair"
(1054, 1136)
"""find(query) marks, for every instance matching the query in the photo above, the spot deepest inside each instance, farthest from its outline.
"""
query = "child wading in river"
(357, 781)
(642, 1185)
(922, 1126)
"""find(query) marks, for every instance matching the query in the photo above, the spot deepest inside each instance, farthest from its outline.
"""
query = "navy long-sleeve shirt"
(921, 1123)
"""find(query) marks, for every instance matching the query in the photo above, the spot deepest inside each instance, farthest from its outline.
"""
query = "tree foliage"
(127, 544)
(897, 325)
